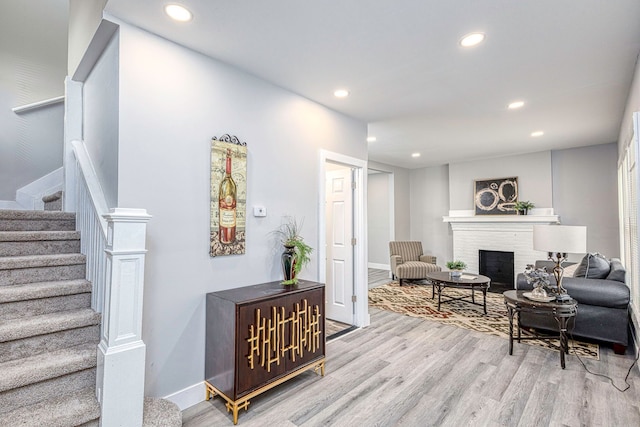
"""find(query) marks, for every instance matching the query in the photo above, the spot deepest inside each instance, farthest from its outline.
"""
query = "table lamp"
(558, 241)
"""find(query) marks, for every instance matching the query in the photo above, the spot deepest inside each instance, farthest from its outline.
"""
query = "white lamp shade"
(560, 238)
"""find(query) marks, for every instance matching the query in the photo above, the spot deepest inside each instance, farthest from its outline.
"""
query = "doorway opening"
(380, 225)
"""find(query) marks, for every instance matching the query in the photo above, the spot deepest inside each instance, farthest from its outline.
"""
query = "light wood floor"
(404, 371)
(378, 277)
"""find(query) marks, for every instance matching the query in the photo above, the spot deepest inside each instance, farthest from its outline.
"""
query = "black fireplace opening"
(498, 266)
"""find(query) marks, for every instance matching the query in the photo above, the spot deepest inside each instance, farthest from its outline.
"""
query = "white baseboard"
(30, 196)
(379, 266)
(189, 396)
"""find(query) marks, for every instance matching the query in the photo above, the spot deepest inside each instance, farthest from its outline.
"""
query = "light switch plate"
(259, 211)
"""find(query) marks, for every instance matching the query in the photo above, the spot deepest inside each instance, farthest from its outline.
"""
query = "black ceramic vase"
(289, 262)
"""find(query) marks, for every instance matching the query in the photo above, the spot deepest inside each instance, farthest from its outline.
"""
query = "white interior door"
(339, 217)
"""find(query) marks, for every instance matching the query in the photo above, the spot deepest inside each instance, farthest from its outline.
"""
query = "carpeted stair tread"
(30, 370)
(38, 344)
(74, 409)
(52, 197)
(34, 261)
(22, 220)
(25, 243)
(47, 323)
(37, 235)
(30, 291)
(11, 214)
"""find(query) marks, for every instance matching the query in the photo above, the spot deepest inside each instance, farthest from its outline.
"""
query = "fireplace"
(505, 233)
(499, 266)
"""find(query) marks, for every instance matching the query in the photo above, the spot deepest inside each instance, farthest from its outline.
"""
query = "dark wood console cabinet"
(260, 336)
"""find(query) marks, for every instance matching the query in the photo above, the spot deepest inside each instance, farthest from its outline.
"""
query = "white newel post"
(121, 353)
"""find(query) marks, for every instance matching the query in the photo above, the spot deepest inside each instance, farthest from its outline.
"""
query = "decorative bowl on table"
(539, 298)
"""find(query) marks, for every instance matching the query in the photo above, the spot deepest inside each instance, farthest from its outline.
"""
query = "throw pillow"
(593, 266)
(617, 271)
(570, 270)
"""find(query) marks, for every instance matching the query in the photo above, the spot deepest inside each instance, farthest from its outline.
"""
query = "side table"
(516, 302)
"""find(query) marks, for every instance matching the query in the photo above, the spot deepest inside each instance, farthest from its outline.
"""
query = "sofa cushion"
(593, 266)
(600, 292)
(617, 271)
(415, 270)
(597, 292)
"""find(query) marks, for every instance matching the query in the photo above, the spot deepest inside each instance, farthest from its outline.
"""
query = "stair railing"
(114, 245)
(91, 206)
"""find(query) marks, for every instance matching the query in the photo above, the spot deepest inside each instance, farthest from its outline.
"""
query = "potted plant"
(456, 267)
(522, 208)
(296, 254)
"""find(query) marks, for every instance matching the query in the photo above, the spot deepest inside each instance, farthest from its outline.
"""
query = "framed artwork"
(228, 196)
(496, 196)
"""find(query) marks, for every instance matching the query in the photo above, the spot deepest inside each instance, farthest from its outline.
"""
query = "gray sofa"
(603, 307)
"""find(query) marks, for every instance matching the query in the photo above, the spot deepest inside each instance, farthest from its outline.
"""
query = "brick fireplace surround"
(508, 233)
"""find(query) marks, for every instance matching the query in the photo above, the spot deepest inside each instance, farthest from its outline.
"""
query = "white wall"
(172, 101)
(429, 203)
(100, 119)
(30, 144)
(378, 217)
(585, 192)
(401, 198)
(533, 172)
(580, 184)
(33, 68)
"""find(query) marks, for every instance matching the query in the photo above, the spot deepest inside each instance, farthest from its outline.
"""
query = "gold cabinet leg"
(235, 414)
(321, 367)
(209, 393)
(235, 407)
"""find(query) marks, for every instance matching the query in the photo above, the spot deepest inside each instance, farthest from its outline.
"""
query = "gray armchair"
(409, 262)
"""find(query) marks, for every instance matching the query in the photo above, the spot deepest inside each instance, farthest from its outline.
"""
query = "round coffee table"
(516, 302)
(443, 279)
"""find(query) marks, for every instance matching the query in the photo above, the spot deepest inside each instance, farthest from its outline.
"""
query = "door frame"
(361, 316)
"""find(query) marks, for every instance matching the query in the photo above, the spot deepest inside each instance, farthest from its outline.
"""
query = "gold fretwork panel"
(283, 335)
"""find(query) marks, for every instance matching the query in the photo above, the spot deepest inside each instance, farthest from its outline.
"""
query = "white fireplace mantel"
(508, 233)
(537, 216)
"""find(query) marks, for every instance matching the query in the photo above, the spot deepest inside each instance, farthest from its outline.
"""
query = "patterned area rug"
(415, 300)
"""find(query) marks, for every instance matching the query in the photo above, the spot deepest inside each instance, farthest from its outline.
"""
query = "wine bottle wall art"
(228, 196)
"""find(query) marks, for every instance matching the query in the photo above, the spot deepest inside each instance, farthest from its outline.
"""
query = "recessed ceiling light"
(415, 155)
(537, 133)
(371, 139)
(516, 104)
(341, 93)
(177, 12)
(472, 39)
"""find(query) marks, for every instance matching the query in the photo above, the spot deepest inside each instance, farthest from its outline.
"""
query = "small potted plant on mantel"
(522, 208)
(456, 267)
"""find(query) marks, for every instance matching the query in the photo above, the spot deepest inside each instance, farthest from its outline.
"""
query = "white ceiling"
(570, 61)
(419, 91)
